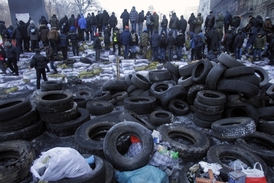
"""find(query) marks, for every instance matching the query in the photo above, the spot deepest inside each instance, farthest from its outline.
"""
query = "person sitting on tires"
(40, 63)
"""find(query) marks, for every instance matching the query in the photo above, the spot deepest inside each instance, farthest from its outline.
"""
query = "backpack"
(133, 37)
(32, 30)
(148, 21)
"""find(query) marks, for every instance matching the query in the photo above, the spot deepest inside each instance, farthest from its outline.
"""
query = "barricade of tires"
(19, 120)
(60, 113)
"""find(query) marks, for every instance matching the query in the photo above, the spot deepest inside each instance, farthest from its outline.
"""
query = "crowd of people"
(220, 33)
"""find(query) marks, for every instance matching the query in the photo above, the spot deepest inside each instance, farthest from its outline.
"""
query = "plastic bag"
(148, 174)
(59, 163)
(255, 175)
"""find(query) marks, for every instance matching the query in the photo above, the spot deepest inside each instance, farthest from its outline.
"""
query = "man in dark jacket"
(88, 28)
(43, 21)
(133, 17)
(107, 37)
(2, 27)
(180, 42)
(227, 21)
(63, 42)
(182, 24)
(12, 57)
(164, 24)
(170, 41)
(251, 38)
(63, 24)
(112, 22)
(149, 22)
(126, 41)
(40, 63)
(162, 45)
(99, 21)
(93, 22)
(22, 28)
(155, 42)
(192, 22)
(71, 22)
(173, 24)
(125, 17)
(237, 45)
(74, 38)
(228, 41)
(141, 18)
(54, 22)
(210, 21)
(105, 19)
(97, 46)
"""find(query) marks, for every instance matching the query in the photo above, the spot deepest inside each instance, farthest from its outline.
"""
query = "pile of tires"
(19, 120)
(51, 85)
(60, 113)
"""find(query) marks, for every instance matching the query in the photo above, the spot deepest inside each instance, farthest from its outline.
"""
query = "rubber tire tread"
(172, 69)
(192, 92)
(54, 104)
(140, 104)
(263, 75)
(99, 107)
(20, 122)
(235, 86)
(159, 88)
(51, 85)
(266, 126)
(19, 169)
(218, 151)
(211, 97)
(172, 93)
(68, 128)
(178, 107)
(26, 133)
(238, 71)
(121, 162)
(13, 108)
(233, 128)
(195, 151)
(186, 70)
(229, 61)
(140, 81)
(160, 117)
(214, 76)
(200, 71)
(261, 139)
(158, 75)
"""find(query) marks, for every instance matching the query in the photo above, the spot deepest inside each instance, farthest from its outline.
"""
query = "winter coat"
(16, 34)
(49, 52)
(38, 61)
(156, 20)
(125, 16)
(73, 36)
(252, 35)
(144, 39)
(63, 40)
(133, 34)
(259, 21)
(106, 36)
(271, 45)
(116, 36)
(44, 34)
(54, 22)
(112, 21)
(63, 24)
(164, 22)
(162, 42)
(97, 43)
(180, 40)
(33, 36)
(199, 22)
(11, 52)
(126, 38)
(252, 22)
(220, 21)
(53, 34)
(88, 20)
(170, 41)
(93, 20)
(259, 42)
(155, 39)
(149, 17)
(141, 17)
(228, 40)
(99, 19)
(192, 22)
(236, 21)
(239, 40)
(82, 23)
(22, 27)
(268, 27)
(43, 21)
(214, 38)
(133, 15)
(2, 26)
(105, 18)
(173, 23)
(228, 18)
(71, 21)
(210, 20)
(182, 24)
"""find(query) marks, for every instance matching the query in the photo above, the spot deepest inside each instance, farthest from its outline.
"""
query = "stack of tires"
(60, 113)
(209, 106)
(51, 85)
(19, 120)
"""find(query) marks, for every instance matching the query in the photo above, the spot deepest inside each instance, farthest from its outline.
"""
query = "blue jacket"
(155, 39)
(82, 22)
(126, 37)
(63, 40)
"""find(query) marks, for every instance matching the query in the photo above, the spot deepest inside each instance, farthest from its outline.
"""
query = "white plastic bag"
(59, 163)
(255, 175)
